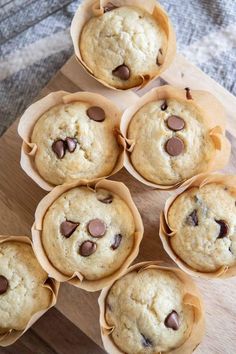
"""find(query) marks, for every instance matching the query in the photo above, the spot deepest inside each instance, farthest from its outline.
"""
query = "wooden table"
(19, 197)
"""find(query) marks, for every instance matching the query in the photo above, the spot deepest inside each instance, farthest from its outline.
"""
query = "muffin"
(173, 138)
(22, 290)
(87, 231)
(75, 140)
(147, 312)
(203, 221)
(124, 46)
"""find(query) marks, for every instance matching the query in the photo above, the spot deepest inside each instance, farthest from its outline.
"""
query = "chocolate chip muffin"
(147, 312)
(75, 141)
(172, 142)
(204, 224)
(88, 231)
(123, 46)
(22, 293)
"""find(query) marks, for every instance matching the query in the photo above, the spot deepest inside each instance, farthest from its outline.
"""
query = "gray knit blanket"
(35, 43)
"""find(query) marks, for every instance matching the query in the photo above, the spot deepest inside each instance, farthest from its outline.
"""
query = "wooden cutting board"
(19, 197)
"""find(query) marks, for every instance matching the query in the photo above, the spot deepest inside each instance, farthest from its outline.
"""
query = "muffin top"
(123, 44)
(88, 232)
(172, 142)
(75, 141)
(148, 313)
(205, 223)
(21, 286)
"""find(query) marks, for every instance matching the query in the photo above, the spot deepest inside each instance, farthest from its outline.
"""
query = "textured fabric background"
(35, 42)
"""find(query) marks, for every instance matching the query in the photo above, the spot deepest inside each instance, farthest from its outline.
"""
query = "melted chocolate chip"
(164, 106)
(109, 7)
(175, 123)
(146, 342)
(96, 228)
(3, 285)
(96, 113)
(192, 219)
(117, 242)
(106, 200)
(58, 147)
(188, 93)
(172, 321)
(68, 227)
(71, 144)
(174, 146)
(122, 72)
(87, 248)
(223, 228)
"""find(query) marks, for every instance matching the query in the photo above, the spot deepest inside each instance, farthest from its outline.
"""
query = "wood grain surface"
(47, 338)
(19, 197)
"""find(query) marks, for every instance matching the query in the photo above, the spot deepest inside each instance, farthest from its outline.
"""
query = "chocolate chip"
(174, 146)
(109, 7)
(117, 242)
(223, 228)
(164, 106)
(96, 113)
(68, 227)
(106, 200)
(87, 248)
(58, 147)
(188, 93)
(192, 219)
(175, 123)
(122, 72)
(96, 228)
(71, 144)
(146, 342)
(3, 285)
(172, 321)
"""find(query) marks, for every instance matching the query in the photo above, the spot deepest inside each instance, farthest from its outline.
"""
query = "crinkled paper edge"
(12, 336)
(37, 109)
(77, 278)
(91, 8)
(192, 298)
(214, 118)
(165, 232)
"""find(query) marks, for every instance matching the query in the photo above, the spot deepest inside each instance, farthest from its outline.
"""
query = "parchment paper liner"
(37, 109)
(166, 232)
(12, 336)
(214, 117)
(192, 297)
(77, 278)
(91, 8)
